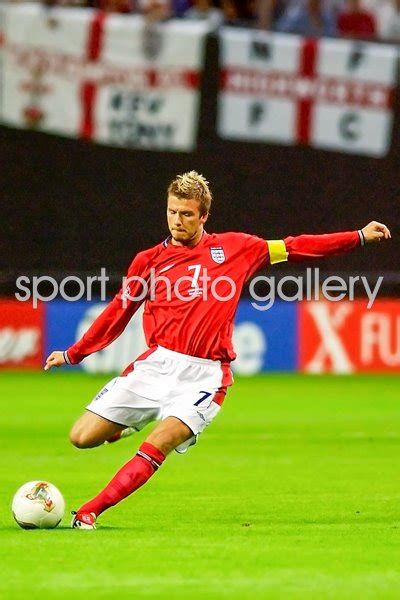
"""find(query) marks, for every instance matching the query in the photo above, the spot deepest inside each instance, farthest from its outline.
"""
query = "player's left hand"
(375, 232)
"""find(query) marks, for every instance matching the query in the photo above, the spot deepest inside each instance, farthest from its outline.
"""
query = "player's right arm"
(112, 321)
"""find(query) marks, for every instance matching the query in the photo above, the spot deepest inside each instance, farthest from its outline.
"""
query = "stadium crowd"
(363, 19)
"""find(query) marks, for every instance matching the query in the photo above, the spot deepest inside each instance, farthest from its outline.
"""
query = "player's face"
(184, 220)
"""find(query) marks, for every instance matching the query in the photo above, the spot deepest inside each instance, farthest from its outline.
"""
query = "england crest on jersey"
(218, 254)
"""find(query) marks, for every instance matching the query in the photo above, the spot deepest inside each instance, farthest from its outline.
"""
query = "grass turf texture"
(293, 492)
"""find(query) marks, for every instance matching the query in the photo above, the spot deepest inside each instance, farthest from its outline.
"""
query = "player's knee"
(76, 439)
(169, 434)
(82, 439)
(164, 441)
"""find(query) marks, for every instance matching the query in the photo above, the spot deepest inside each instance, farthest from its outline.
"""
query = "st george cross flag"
(326, 93)
(150, 98)
(108, 78)
(45, 58)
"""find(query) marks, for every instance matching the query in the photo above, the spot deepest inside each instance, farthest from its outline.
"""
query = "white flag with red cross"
(45, 63)
(108, 78)
(327, 93)
(150, 95)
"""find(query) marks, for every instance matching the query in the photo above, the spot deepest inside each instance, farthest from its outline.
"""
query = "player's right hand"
(55, 359)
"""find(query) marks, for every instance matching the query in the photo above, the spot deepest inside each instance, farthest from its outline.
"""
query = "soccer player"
(191, 285)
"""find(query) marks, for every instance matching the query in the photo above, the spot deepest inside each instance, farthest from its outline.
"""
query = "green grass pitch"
(293, 492)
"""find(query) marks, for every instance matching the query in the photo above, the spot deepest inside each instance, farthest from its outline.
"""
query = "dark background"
(69, 206)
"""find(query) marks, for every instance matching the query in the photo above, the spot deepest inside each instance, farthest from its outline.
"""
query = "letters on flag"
(115, 80)
(327, 93)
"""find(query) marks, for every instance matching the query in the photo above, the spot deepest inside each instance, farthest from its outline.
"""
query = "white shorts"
(162, 383)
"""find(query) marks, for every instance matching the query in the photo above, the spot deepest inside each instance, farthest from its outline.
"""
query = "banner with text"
(310, 337)
(264, 341)
(346, 337)
(21, 335)
(285, 89)
(105, 77)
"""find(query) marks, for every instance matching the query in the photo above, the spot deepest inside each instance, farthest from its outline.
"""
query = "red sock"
(128, 479)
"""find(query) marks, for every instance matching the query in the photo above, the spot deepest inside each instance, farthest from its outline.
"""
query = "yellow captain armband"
(277, 251)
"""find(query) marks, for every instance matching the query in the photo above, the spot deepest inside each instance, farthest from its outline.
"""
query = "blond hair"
(192, 185)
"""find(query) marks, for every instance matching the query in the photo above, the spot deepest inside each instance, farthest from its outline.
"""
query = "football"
(38, 505)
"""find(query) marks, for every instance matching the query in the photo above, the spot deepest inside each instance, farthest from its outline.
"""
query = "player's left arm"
(308, 247)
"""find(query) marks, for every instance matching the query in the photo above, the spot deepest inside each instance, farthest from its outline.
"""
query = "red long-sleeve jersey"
(191, 294)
